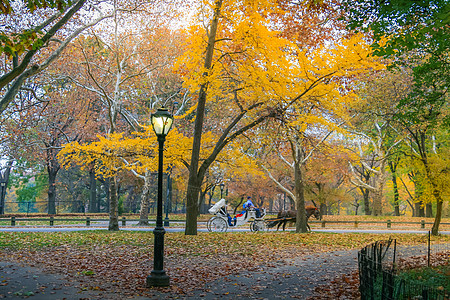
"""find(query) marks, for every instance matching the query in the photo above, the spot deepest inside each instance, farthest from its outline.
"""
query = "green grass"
(436, 277)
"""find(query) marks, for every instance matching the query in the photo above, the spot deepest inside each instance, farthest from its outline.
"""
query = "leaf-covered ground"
(121, 261)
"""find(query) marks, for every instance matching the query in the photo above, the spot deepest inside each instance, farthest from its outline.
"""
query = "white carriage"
(222, 220)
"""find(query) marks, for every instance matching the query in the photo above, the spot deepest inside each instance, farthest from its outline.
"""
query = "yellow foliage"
(253, 64)
(254, 60)
(116, 152)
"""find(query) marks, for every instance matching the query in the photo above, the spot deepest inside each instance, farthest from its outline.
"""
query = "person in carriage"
(249, 205)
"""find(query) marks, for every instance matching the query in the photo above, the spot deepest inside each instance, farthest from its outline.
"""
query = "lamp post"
(2, 197)
(162, 122)
(222, 185)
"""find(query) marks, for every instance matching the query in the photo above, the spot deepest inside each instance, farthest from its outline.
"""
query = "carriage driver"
(249, 204)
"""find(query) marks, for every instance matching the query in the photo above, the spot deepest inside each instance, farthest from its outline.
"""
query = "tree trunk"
(429, 210)
(396, 196)
(300, 224)
(192, 207)
(377, 203)
(107, 186)
(356, 207)
(4, 178)
(128, 204)
(93, 192)
(413, 211)
(52, 169)
(194, 181)
(201, 202)
(378, 194)
(419, 209)
(437, 220)
(393, 168)
(366, 201)
(439, 200)
(323, 209)
(145, 200)
(113, 205)
(437, 196)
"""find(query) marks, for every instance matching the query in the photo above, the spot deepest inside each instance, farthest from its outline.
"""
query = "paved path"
(22, 282)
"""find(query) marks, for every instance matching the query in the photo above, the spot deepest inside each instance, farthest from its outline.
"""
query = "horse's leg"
(284, 224)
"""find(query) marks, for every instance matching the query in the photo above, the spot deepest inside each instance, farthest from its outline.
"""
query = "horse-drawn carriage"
(222, 220)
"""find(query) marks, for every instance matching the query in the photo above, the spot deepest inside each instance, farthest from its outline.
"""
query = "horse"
(291, 216)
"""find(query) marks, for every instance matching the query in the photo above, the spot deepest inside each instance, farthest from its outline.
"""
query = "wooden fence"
(87, 221)
(388, 223)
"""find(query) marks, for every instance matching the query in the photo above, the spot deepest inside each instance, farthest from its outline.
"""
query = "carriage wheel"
(217, 224)
(257, 226)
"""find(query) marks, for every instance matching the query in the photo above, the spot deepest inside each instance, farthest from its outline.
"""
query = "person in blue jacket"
(249, 204)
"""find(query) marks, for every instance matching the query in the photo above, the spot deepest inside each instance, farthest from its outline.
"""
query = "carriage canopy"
(215, 208)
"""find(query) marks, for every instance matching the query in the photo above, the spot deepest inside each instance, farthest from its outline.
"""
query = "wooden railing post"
(323, 224)
(388, 223)
(356, 224)
(52, 220)
(13, 221)
(124, 221)
(422, 224)
(88, 221)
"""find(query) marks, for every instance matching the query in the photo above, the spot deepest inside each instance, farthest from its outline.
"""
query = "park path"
(19, 281)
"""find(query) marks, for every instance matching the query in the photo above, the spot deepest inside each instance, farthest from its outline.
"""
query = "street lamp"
(2, 197)
(222, 185)
(162, 122)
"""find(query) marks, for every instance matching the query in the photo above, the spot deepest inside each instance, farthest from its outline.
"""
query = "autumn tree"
(119, 66)
(414, 35)
(295, 150)
(30, 47)
(256, 73)
(39, 133)
(327, 176)
(376, 150)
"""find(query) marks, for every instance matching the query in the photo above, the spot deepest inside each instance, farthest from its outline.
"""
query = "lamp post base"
(158, 278)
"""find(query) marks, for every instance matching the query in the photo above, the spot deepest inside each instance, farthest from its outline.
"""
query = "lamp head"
(162, 121)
